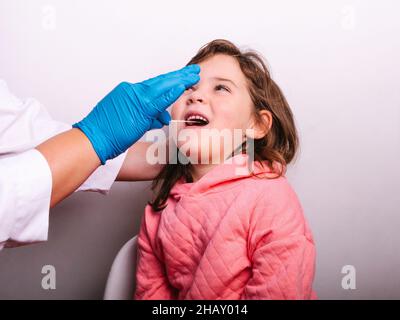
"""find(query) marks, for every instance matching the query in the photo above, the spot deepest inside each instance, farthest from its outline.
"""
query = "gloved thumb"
(163, 120)
(164, 117)
(156, 124)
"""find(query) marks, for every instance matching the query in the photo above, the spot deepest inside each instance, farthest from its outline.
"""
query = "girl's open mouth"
(195, 119)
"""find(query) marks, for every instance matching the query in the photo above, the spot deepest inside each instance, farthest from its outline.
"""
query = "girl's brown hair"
(281, 142)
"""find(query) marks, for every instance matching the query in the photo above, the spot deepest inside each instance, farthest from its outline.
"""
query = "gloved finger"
(164, 85)
(164, 101)
(164, 117)
(156, 124)
(190, 69)
(159, 85)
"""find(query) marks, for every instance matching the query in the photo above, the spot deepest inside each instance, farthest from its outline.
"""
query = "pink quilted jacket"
(227, 236)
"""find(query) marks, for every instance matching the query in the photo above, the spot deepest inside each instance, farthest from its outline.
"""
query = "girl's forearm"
(71, 159)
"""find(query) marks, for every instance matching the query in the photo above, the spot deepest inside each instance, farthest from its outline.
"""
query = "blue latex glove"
(130, 110)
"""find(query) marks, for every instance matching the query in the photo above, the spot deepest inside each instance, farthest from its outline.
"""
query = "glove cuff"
(95, 140)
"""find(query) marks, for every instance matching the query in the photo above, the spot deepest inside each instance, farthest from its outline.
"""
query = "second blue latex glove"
(124, 115)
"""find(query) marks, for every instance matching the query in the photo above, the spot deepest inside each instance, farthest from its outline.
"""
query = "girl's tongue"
(196, 123)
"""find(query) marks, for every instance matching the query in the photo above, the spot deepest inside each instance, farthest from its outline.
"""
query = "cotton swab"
(183, 121)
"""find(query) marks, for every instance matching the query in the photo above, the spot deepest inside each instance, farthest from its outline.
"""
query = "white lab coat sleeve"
(25, 190)
(24, 124)
(25, 177)
(102, 179)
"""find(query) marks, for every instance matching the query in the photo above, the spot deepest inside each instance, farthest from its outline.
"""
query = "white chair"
(121, 279)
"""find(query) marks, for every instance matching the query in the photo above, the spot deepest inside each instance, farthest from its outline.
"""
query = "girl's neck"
(199, 170)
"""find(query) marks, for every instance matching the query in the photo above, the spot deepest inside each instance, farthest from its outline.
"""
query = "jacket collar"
(234, 168)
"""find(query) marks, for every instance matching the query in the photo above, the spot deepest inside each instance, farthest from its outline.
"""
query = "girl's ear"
(261, 124)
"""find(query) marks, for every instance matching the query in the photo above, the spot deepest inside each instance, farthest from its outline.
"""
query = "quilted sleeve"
(151, 278)
(281, 249)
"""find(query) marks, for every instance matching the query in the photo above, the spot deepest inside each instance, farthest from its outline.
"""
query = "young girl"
(212, 233)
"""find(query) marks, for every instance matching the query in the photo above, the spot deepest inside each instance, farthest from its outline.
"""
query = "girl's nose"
(195, 95)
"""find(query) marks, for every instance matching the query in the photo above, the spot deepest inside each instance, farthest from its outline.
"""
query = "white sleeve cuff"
(27, 198)
(102, 179)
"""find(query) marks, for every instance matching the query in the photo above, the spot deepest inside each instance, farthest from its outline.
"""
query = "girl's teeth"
(197, 117)
(196, 121)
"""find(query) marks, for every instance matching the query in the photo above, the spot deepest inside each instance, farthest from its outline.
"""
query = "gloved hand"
(124, 115)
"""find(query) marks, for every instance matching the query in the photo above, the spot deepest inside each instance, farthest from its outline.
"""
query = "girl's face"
(221, 96)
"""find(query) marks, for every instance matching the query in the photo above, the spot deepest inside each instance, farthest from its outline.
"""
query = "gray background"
(336, 62)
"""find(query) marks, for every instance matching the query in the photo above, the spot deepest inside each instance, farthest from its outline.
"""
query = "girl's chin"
(196, 155)
(196, 129)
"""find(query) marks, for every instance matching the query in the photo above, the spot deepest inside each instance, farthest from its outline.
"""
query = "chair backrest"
(121, 279)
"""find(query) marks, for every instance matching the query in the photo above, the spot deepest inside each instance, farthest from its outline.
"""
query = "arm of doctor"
(29, 180)
(70, 168)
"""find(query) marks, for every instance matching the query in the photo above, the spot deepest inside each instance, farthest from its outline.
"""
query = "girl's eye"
(220, 86)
